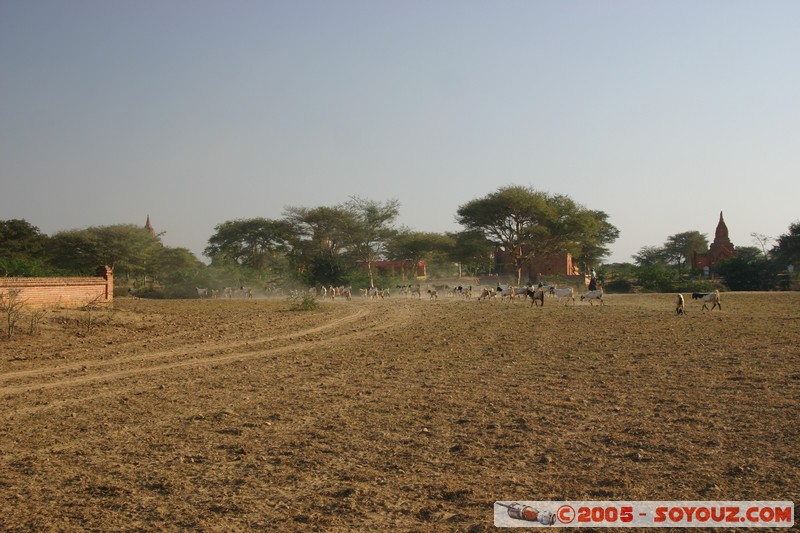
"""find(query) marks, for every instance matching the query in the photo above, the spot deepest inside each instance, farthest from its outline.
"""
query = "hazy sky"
(662, 114)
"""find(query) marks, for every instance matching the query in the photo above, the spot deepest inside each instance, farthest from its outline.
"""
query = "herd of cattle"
(506, 293)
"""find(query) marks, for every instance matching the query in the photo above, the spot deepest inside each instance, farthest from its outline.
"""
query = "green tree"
(167, 262)
(679, 248)
(511, 218)
(785, 256)
(597, 233)
(19, 238)
(329, 269)
(748, 271)
(327, 229)
(656, 277)
(320, 235)
(527, 223)
(74, 252)
(472, 251)
(259, 244)
(372, 229)
(127, 248)
(416, 246)
(787, 248)
(23, 250)
(650, 256)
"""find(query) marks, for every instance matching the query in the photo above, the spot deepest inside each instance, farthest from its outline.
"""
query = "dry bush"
(36, 318)
(12, 306)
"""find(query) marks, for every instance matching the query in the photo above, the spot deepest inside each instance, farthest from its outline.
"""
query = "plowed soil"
(399, 414)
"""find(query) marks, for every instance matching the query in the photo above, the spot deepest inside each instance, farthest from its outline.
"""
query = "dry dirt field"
(410, 415)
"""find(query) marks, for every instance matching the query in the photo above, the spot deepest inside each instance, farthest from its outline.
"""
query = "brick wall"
(63, 292)
(552, 264)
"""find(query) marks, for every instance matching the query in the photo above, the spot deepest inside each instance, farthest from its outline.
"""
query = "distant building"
(555, 264)
(720, 249)
(397, 268)
(148, 226)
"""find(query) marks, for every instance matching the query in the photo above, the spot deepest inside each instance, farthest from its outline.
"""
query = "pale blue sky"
(662, 114)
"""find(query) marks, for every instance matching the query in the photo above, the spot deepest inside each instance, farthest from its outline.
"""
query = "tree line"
(324, 245)
(667, 268)
(340, 244)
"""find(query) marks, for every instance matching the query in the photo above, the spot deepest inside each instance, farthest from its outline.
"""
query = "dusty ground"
(400, 414)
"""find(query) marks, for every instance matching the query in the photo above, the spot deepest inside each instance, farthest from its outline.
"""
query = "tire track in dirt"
(369, 323)
(185, 350)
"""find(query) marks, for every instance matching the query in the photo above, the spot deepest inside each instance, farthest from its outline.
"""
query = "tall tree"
(416, 246)
(472, 251)
(787, 248)
(126, 248)
(326, 228)
(679, 248)
(598, 232)
(23, 249)
(74, 252)
(748, 271)
(320, 236)
(650, 256)
(762, 241)
(512, 218)
(371, 230)
(19, 238)
(527, 223)
(256, 243)
(168, 261)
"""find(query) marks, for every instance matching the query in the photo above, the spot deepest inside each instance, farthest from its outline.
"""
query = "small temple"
(149, 227)
(719, 250)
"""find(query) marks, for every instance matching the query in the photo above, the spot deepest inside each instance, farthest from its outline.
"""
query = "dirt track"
(405, 414)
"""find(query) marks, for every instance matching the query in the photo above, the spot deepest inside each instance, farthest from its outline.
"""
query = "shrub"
(303, 301)
(618, 285)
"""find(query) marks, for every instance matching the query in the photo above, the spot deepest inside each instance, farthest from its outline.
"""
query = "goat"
(505, 292)
(593, 295)
(201, 293)
(549, 289)
(215, 293)
(228, 292)
(679, 308)
(520, 291)
(376, 293)
(712, 297)
(537, 295)
(434, 294)
(564, 293)
(486, 293)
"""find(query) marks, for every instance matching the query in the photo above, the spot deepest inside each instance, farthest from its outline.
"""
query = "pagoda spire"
(148, 226)
(721, 235)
